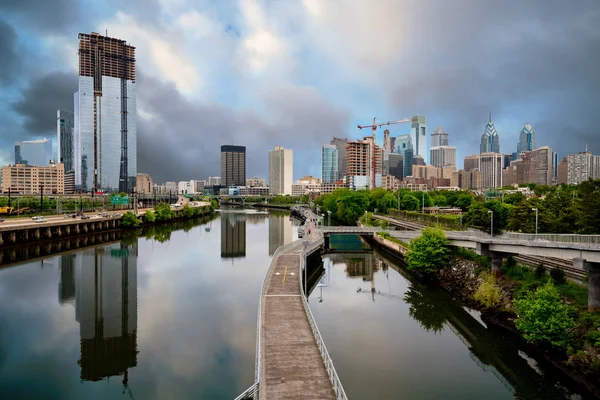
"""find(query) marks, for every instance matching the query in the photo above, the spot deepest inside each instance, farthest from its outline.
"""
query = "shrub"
(187, 211)
(163, 212)
(429, 252)
(510, 262)
(540, 271)
(129, 219)
(488, 294)
(542, 317)
(558, 276)
(149, 216)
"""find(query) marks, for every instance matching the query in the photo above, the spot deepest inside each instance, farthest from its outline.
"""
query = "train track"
(549, 263)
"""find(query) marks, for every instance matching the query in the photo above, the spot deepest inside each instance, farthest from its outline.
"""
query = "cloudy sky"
(262, 73)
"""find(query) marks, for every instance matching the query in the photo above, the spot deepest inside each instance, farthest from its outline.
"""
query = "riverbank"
(464, 276)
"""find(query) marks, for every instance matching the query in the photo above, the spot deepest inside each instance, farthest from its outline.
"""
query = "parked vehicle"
(40, 220)
(85, 217)
(36, 217)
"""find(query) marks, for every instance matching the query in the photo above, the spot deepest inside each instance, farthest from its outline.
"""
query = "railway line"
(549, 263)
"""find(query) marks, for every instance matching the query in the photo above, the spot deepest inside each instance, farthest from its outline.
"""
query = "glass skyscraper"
(233, 165)
(418, 134)
(404, 147)
(33, 152)
(329, 163)
(490, 142)
(64, 137)
(105, 131)
(526, 139)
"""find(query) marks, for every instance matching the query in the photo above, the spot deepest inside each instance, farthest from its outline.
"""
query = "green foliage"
(149, 216)
(463, 201)
(429, 252)
(471, 255)
(387, 236)
(488, 294)
(558, 276)
(540, 271)
(129, 219)
(409, 202)
(542, 317)
(187, 211)
(163, 212)
(477, 215)
(386, 202)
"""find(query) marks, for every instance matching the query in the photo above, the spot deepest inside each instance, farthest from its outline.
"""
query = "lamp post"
(328, 218)
(536, 219)
(41, 199)
(491, 222)
(423, 207)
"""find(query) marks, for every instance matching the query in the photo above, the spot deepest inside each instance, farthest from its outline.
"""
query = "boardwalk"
(291, 364)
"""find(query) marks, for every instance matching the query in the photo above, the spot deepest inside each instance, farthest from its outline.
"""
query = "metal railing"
(251, 393)
(350, 229)
(336, 384)
(553, 237)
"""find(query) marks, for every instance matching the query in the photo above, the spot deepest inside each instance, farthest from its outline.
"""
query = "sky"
(265, 73)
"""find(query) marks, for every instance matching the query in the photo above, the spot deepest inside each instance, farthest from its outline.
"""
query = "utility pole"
(9, 197)
(536, 219)
(423, 207)
(41, 199)
(491, 222)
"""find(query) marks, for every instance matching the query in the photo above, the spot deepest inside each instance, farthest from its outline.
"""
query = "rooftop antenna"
(106, 32)
(490, 115)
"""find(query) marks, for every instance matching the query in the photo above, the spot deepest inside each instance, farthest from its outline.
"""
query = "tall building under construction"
(105, 131)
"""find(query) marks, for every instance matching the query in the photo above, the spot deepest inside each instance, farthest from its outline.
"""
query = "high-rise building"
(542, 162)
(418, 160)
(281, 171)
(443, 156)
(105, 120)
(329, 163)
(472, 179)
(36, 153)
(396, 165)
(340, 143)
(25, 179)
(439, 137)
(143, 183)
(580, 167)
(64, 137)
(418, 134)
(364, 163)
(404, 147)
(233, 165)
(70, 182)
(555, 165)
(563, 171)
(490, 142)
(490, 165)
(471, 162)
(526, 139)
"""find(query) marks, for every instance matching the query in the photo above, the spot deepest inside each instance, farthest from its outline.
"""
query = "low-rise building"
(143, 184)
(23, 179)
(70, 182)
(256, 182)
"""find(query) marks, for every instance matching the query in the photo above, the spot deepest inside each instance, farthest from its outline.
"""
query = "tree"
(409, 202)
(463, 201)
(488, 294)
(429, 252)
(375, 197)
(187, 211)
(129, 219)
(521, 218)
(477, 215)
(542, 317)
(163, 212)
(149, 216)
(386, 202)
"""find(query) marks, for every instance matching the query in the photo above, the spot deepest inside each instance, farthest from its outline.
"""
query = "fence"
(447, 221)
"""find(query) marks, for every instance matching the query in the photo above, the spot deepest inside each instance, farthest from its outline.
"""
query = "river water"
(172, 315)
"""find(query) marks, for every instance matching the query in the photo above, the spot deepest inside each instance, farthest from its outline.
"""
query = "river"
(172, 315)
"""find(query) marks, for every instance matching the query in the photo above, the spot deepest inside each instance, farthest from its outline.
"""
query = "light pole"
(423, 207)
(328, 218)
(536, 219)
(491, 222)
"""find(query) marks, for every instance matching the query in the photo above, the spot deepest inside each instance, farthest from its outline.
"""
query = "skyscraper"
(526, 139)
(439, 137)
(64, 137)
(418, 134)
(364, 163)
(233, 165)
(340, 143)
(404, 147)
(33, 152)
(329, 163)
(396, 165)
(281, 171)
(490, 165)
(490, 142)
(542, 162)
(443, 156)
(105, 130)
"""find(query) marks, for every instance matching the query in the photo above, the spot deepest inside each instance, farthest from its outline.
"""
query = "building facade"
(364, 159)
(490, 142)
(526, 139)
(70, 182)
(256, 182)
(490, 165)
(26, 179)
(214, 180)
(443, 156)
(581, 167)
(542, 164)
(396, 165)
(64, 137)
(439, 137)
(404, 147)
(36, 153)
(340, 143)
(105, 118)
(143, 184)
(418, 134)
(330, 163)
(233, 166)
(281, 171)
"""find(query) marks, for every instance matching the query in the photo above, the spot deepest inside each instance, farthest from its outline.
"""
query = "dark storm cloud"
(183, 140)
(11, 59)
(42, 97)
(533, 62)
(42, 15)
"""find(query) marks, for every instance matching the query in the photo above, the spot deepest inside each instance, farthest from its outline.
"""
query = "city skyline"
(262, 82)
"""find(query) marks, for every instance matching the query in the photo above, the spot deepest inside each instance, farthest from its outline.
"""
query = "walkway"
(291, 366)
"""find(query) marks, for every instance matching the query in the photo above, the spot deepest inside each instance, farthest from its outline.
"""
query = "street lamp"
(491, 222)
(536, 219)
(423, 207)
(328, 218)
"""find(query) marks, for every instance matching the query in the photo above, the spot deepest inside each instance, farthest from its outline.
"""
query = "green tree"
(351, 207)
(386, 202)
(429, 252)
(488, 293)
(521, 218)
(129, 219)
(163, 212)
(149, 216)
(375, 197)
(463, 201)
(409, 202)
(187, 211)
(477, 215)
(542, 317)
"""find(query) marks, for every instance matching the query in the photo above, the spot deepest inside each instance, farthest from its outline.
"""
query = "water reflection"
(280, 233)
(233, 235)
(66, 286)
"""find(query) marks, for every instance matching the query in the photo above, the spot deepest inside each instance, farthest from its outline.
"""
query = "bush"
(129, 219)
(429, 252)
(542, 317)
(558, 276)
(488, 294)
(187, 211)
(540, 271)
(510, 262)
(149, 216)
(163, 212)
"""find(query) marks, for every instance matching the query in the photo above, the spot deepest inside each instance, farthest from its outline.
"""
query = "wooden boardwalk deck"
(291, 364)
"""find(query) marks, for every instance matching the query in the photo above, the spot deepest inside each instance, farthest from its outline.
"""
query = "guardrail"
(553, 237)
(350, 229)
(338, 389)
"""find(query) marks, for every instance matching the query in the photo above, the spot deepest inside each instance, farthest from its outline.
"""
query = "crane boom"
(374, 126)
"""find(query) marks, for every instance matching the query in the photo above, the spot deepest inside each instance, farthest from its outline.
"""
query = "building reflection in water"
(233, 235)
(103, 282)
(280, 232)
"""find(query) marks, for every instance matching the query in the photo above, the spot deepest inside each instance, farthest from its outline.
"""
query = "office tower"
(64, 137)
(233, 235)
(143, 183)
(280, 232)
(106, 309)
(340, 143)
(364, 163)
(25, 179)
(418, 160)
(385, 162)
(580, 167)
(396, 165)
(443, 156)
(490, 142)
(490, 165)
(281, 167)
(526, 139)
(105, 120)
(387, 141)
(563, 171)
(36, 153)
(233, 165)
(471, 162)
(329, 163)
(404, 147)
(507, 159)
(418, 134)
(69, 182)
(472, 179)
(542, 163)
(439, 137)
(555, 165)
(256, 182)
